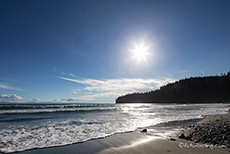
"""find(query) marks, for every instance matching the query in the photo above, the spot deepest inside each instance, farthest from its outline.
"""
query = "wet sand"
(163, 146)
(92, 146)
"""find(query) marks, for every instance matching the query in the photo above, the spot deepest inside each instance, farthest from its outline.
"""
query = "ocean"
(29, 126)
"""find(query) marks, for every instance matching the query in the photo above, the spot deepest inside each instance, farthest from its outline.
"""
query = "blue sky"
(84, 51)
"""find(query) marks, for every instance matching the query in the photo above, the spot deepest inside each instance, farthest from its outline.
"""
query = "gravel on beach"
(212, 130)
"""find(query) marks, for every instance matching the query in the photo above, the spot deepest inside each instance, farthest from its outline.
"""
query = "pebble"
(172, 139)
(144, 131)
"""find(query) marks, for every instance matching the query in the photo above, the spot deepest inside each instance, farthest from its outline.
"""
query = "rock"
(187, 137)
(223, 137)
(212, 132)
(182, 136)
(144, 131)
(172, 139)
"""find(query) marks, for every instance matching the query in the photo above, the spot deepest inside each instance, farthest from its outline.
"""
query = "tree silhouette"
(211, 89)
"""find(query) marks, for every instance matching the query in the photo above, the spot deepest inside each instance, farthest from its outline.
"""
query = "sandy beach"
(174, 145)
(146, 143)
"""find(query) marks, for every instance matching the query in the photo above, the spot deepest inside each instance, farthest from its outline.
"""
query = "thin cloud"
(112, 88)
(203, 73)
(92, 90)
(9, 87)
(72, 75)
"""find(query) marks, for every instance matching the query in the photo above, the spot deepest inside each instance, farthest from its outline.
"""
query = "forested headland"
(210, 89)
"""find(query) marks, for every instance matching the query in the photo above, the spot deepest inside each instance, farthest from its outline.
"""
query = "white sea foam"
(56, 135)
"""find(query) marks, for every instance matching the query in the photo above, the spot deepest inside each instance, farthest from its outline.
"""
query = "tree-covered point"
(211, 89)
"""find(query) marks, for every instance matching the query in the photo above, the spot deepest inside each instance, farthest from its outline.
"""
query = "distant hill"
(211, 89)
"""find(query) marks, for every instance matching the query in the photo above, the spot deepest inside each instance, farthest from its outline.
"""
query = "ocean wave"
(91, 123)
(20, 119)
(49, 106)
(29, 111)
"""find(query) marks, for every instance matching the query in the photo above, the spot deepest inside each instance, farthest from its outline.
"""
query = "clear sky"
(94, 51)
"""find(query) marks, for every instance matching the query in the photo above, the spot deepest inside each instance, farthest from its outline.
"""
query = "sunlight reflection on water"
(45, 127)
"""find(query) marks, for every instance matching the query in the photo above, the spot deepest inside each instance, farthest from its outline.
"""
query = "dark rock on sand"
(144, 131)
(182, 136)
(172, 139)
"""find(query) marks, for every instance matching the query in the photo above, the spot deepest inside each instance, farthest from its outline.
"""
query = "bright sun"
(140, 52)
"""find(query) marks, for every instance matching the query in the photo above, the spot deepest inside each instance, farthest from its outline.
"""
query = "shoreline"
(127, 142)
(161, 130)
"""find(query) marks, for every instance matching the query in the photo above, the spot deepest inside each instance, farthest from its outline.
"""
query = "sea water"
(28, 126)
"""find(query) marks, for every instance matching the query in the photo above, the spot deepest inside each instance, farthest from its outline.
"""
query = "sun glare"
(140, 52)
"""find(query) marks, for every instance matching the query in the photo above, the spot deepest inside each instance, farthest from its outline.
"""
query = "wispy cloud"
(112, 88)
(203, 73)
(9, 87)
(92, 90)
(72, 75)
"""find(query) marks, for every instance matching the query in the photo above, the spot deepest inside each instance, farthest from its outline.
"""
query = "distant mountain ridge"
(211, 89)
